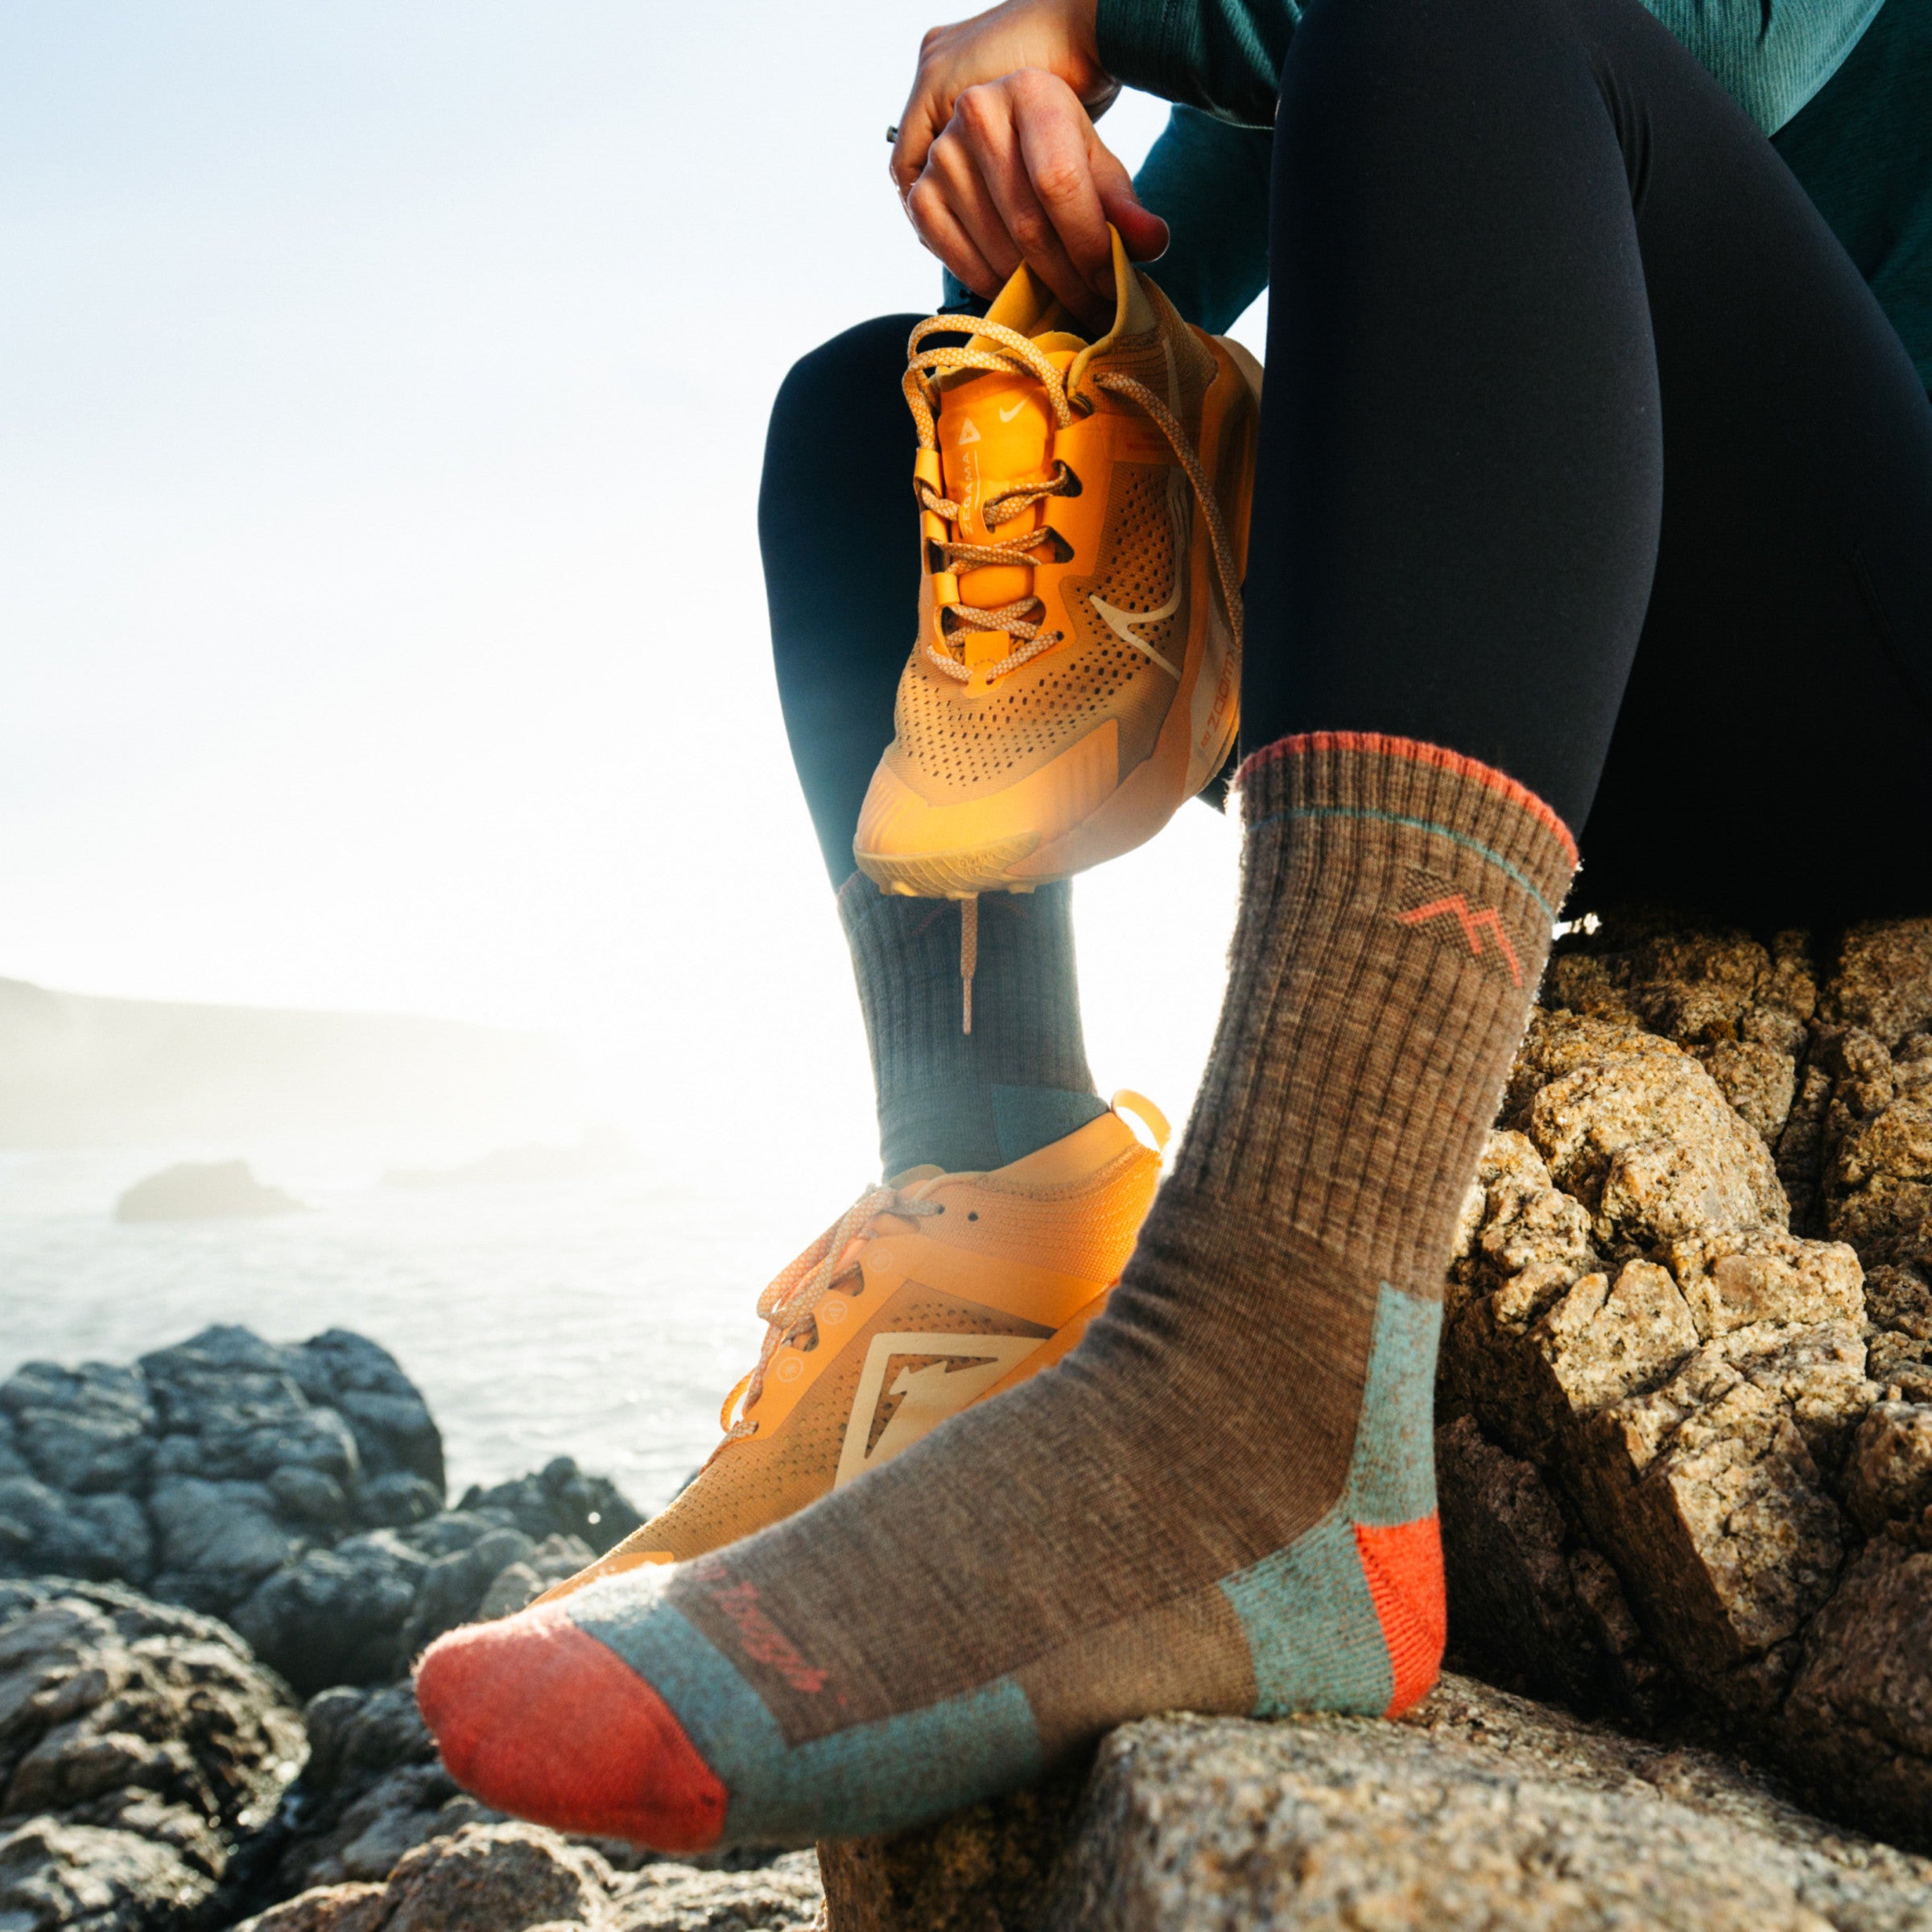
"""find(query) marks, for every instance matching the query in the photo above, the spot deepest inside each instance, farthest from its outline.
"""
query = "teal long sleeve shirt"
(1843, 88)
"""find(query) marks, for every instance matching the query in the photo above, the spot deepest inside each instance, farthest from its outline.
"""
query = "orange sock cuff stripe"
(1304, 744)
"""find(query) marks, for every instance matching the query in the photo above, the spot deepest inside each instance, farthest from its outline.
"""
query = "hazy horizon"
(381, 578)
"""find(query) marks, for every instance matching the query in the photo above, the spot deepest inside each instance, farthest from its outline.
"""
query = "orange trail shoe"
(928, 1295)
(1084, 512)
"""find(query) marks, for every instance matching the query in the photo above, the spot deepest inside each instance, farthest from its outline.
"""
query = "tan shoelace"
(795, 1291)
(998, 348)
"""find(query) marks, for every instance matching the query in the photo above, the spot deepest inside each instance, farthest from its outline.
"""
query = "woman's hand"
(997, 162)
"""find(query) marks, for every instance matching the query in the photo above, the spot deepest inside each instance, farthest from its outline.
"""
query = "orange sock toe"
(537, 1718)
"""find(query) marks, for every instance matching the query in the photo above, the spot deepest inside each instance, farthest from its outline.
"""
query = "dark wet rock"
(84, 1430)
(218, 1540)
(372, 1790)
(560, 1499)
(200, 1191)
(296, 1491)
(362, 1382)
(140, 1745)
(45, 1532)
(396, 1501)
(357, 1613)
(337, 1615)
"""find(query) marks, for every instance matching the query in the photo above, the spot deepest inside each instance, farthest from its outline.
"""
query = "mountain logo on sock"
(912, 1382)
(1475, 922)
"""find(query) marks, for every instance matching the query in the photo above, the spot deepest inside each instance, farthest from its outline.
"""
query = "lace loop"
(795, 1293)
(996, 348)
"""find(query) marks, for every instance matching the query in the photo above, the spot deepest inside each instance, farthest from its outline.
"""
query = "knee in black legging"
(840, 541)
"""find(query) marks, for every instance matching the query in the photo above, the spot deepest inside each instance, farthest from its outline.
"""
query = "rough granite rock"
(512, 1877)
(1478, 1808)
(1859, 1714)
(139, 1743)
(1676, 1416)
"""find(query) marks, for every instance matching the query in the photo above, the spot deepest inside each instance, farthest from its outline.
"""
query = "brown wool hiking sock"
(968, 1101)
(1223, 1500)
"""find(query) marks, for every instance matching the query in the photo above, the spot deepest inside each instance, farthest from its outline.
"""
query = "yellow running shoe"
(927, 1295)
(1084, 508)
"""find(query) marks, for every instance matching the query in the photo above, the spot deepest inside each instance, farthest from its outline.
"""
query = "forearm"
(1225, 56)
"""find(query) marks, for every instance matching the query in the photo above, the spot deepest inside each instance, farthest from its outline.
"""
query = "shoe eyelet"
(974, 1215)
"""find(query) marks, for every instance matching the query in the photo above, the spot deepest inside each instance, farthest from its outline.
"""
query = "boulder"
(83, 1429)
(560, 1499)
(506, 1876)
(1478, 1808)
(356, 1612)
(297, 1490)
(1686, 1372)
(140, 1746)
(44, 1531)
(203, 1191)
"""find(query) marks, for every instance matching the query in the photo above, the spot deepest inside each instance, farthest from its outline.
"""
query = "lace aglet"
(969, 957)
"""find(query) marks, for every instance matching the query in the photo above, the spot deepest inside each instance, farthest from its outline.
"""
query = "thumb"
(1143, 234)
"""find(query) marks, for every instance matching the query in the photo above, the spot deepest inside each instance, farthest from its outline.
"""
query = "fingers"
(1012, 178)
(1004, 132)
(1143, 234)
(1057, 151)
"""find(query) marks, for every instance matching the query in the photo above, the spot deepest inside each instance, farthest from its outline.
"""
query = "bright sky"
(379, 596)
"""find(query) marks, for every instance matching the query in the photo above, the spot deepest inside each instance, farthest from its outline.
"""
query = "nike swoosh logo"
(1122, 622)
(1006, 416)
(927, 1395)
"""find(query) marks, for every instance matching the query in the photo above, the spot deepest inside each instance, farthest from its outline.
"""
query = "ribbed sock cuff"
(1020, 1079)
(1405, 783)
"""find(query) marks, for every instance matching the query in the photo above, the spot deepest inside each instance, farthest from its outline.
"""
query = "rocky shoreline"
(1685, 1451)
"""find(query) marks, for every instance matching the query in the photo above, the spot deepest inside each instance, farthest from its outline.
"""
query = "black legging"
(1586, 450)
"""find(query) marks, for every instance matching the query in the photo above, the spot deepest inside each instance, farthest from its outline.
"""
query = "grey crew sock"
(971, 1100)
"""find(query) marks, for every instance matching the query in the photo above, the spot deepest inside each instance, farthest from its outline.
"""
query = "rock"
(230, 1410)
(395, 1434)
(357, 1613)
(372, 1789)
(1478, 1808)
(988, 1866)
(486, 1878)
(786, 1896)
(82, 1430)
(560, 1499)
(197, 1191)
(218, 1540)
(395, 1501)
(506, 1877)
(45, 1532)
(1660, 1453)
(1525, 1594)
(1643, 1138)
(329, 1908)
(337, 1617)
(1859, 1714)
(1888, 1477)
(54, 1875)
(139, 1745)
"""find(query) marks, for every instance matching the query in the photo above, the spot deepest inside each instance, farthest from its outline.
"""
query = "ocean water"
(602, 1317)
